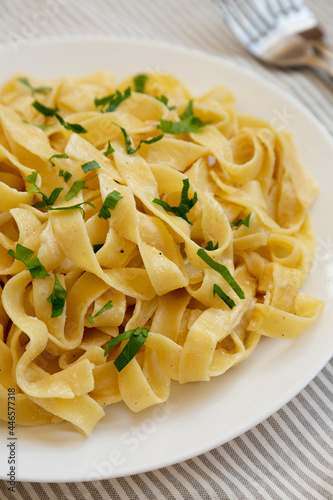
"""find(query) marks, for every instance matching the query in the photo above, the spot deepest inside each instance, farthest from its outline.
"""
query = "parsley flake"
(74, 127)
(185, 203)
(217, 290)
(128, 142)
(65, 174)
(26, 82)
(107, 306)
(25, 255)
(57, 298)
(136, 340)
(109, 150)
(44, 110)
(140, 83)
(91, 165)
(75, 189)
(112, 100)
(223, 271)
(244, 222)
(210, 246)
(63, 155)
(164, 99)
(109, 203)
(189, 122)
(97, 247)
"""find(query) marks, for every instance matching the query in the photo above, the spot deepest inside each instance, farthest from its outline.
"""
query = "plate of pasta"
(166, 255)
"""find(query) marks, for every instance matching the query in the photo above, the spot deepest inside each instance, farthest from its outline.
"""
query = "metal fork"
(284, 33)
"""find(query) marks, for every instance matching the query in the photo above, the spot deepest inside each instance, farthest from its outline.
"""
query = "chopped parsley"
(112, 100)
(136, 340)
(107, 306)
(74, 127)
(223, 271)
(109, 203)
(26, 82)
(140, 83)
(189, 122)
(244, 222)
(91, 165)
(63, 155)
(32, 178)
(185, 205)
(47, 200)
(75, 189)
(57, 298)
(128, 142)
(25, 255)
(65, 174)
(164, 99)
(217, 290)
(72, 207)
(109, 150)
(210, 246)
(97, 247)
(44, 110)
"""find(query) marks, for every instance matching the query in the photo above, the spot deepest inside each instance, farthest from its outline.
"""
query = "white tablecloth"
(289, 455)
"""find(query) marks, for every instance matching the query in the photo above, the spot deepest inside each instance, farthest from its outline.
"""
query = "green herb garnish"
(109, 150)
(107, 306)
(97, 247)
(112, 100)
(63, 155)
(239, 222)
(128, 142)
(43, 126)
(32, 178)
(47, 200)
(26, 82)
(74, 127)
(210, 246)
(185, 203)
(140, 83)
(57, 298)
(65, 174)
(91, 165)
(217, 290)
(75, 189)
(136, 338)
(164, 99)
(189, 122)
(44, 110)
(109, 203)
(223, 271)
(72, 207)
(25, 255)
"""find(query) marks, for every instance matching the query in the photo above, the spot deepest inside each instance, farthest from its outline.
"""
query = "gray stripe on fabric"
(293, 442)
(206, 473)
(163, 488)
(127, 488)
(315, 442)
(289, 460)
(241, 452)
(181, 468)
(267, 462)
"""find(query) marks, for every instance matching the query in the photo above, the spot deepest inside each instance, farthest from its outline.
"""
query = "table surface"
(289, 455)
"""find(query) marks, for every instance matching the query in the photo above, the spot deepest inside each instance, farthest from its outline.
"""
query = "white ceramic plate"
(198, 416)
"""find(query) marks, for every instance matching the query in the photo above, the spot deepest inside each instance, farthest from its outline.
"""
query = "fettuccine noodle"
(197, 243)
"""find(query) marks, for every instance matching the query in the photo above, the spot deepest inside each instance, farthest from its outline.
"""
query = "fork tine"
(251, 10)
(237, 22)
